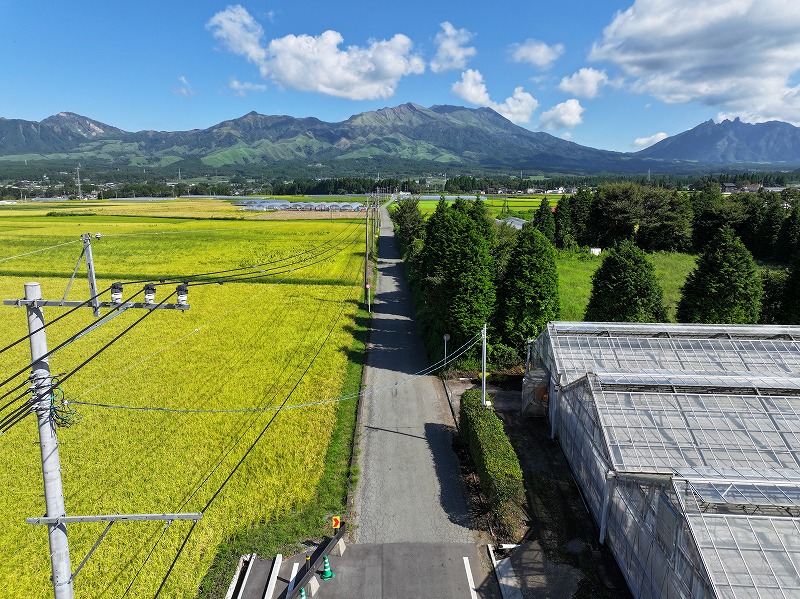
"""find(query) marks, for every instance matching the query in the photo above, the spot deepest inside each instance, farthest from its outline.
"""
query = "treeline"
(342, 186)
(727, 231)
(768, 223)
(465, 271)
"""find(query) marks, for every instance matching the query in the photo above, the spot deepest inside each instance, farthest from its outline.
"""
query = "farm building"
(685, 443)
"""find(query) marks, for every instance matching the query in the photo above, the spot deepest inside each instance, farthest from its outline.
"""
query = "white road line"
(295, 568)
(471, 581)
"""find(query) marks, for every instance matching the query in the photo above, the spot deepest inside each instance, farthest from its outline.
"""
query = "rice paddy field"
(179, 413)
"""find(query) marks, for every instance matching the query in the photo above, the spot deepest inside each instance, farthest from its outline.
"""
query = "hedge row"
(495, 460)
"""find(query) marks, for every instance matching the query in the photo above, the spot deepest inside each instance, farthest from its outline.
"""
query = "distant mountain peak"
(79, 125)
(731, 142)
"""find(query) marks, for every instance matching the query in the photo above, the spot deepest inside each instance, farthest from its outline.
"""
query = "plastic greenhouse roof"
(749, 556)
(662, 431)
(580, 348)
(717, 409)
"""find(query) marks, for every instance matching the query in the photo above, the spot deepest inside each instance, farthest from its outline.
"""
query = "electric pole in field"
(43, 403)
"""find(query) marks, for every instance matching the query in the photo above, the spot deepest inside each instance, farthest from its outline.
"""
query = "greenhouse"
(685, 443)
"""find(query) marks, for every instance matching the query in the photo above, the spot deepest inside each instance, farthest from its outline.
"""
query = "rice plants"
(147, 440)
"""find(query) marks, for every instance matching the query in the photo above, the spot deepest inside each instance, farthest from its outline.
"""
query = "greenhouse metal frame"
(685, 442)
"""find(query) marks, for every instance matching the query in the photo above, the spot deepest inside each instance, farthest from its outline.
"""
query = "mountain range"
(450, 137)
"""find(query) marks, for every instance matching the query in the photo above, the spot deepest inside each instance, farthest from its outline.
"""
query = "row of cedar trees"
(464, 270)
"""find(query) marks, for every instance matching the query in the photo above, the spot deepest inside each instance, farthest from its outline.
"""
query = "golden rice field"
(243, 345)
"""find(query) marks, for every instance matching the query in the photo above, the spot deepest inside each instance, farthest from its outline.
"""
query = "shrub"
(498, 467)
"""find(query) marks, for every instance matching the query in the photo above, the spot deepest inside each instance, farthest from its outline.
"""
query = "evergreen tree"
(456, 291)
(666, 221)
(625, 288)
(408, 222)
(565, 235)
(713, 211)
(529, 295)
(789, 238)
(790, 313)
(581, 208)
(544, 221)
(480, 215)
(774, 215)
(773, 282)
(616, 211)
(725, 287)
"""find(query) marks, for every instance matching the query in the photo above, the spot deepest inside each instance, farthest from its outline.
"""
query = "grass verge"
(309, 521)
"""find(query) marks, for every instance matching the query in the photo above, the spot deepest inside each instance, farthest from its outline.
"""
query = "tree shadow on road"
(452, 495)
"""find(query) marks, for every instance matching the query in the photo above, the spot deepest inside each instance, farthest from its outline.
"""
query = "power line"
(366, 393)
(241, 461)
(242, 268)
(243, 431)
(116, 337)
(41, 250)
(55, 320)
(71, 339)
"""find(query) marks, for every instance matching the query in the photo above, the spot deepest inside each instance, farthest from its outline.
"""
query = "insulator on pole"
(116, 292)
(149, 293)
(183, 293)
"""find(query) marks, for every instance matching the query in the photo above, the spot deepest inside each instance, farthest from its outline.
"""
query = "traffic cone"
(326, 569)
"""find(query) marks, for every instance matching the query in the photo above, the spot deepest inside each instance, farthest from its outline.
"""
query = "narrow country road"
(409, 487)
(412, 528)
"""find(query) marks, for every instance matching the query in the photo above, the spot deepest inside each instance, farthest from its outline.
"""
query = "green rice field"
(147, 439)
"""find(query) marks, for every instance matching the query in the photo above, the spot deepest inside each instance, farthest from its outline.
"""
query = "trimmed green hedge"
(495, 460)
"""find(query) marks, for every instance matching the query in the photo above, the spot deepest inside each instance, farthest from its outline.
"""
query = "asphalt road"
(412, 528)
(412, 533)
(409, 487)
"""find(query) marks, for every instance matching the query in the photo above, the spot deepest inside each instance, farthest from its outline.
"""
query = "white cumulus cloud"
(453, 51)
(536, 53)
(317, 63)
(563, 116)
(585, 83)
(242, 88)
(239, 33)
(518, 108)
(646, 142)
(184, 89)
(740, 56)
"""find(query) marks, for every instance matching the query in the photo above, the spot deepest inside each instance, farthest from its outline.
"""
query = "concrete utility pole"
(48, 443)
(366, 260)
(483, 364)
(55, 516)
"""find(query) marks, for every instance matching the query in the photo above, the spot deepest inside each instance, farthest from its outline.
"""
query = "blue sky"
(609, 74)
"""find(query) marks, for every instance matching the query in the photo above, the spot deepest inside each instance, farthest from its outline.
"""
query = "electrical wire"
(365, 393)
(116, 338)
(241, 435)
(270, 272)
(242, 268)
(41, 250)
(241, 461)
(55, 320)
(62, 345)
(221, 280)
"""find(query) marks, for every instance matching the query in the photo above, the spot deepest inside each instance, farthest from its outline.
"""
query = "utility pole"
(483, 365)
(366, 261)
(43, 404)
(78, 170)
(48, 443)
